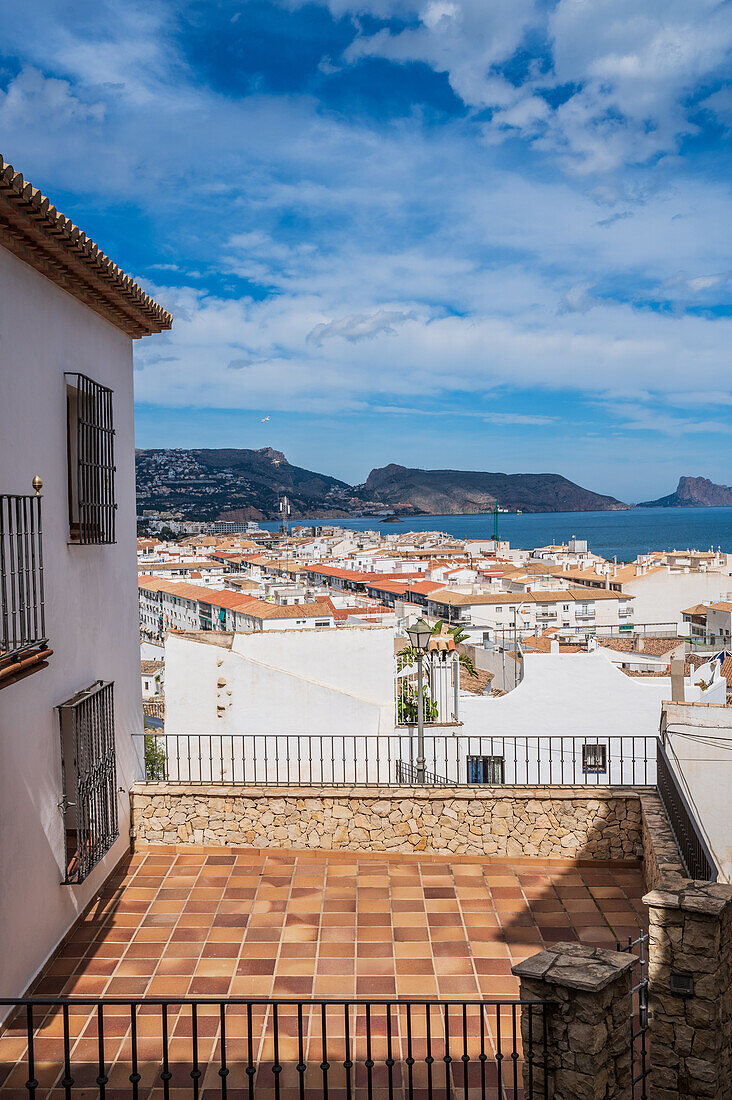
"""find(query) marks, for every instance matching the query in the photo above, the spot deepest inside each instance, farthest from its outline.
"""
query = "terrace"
(349, 940)
(264, 932)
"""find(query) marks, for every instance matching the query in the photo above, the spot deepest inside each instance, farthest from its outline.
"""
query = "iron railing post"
(420, 721)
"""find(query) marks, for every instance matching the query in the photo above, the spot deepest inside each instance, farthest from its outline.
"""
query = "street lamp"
(419, 638)
(516, 611)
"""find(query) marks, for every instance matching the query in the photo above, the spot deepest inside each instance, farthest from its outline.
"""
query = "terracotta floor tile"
(297, 967)
(209, 923)
(373, 950)
(249, 967)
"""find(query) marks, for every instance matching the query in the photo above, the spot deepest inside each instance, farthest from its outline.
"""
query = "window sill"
(18, 670)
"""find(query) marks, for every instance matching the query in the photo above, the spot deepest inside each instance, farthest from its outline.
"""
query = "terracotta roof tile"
(35, 231)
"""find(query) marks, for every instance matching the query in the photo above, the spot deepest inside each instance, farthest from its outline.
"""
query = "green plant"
(407, 704)
(155, 758)
(408, 656)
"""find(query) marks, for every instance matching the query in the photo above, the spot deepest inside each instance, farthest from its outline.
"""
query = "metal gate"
(89, 778)
(638, 1034)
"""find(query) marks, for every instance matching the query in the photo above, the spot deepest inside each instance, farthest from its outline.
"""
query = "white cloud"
(392, 260)
(517, 418)
(629, 65)
(577, 299)
(34, 100)
(361, 326)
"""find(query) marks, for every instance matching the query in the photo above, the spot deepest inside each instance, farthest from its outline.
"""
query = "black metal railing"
(89, 777)
(407, 774)
(92, 502)
(697, 858)
(22, 610)
(379, 759)
(280, 1048)
(638, 1038)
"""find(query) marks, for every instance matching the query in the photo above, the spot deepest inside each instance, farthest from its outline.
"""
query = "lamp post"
(520, 608)
(419, 638)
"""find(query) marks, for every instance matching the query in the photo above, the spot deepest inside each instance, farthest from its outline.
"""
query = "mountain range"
(456, 492)
(694, 492)
(239, 484)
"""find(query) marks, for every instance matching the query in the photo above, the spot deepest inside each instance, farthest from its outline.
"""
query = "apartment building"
(177, 605)
(661, 588)
(710, 624)
(261, 615)
(525, 612)
(70, 691)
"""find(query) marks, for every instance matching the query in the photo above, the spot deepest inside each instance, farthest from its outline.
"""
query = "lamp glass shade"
(420, 634)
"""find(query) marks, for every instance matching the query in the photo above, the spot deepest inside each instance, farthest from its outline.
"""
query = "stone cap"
(416, 793)
(573, 966)
(692, 896)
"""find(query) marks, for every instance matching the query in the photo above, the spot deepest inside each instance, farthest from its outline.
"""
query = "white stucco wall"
(660, 596)
(315, 681)
(574, 693)
(699, 747)
(91, 608)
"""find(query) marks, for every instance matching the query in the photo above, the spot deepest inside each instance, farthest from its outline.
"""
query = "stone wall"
(690, 930)
(662, 865)
(586, 1024)
(597, 823)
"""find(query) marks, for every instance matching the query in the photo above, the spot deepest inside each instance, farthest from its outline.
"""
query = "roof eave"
(37, 233)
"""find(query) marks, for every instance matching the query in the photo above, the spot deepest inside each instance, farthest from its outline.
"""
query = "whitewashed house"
(70, 696)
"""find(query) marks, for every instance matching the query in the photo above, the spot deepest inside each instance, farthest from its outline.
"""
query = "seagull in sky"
(265, 419)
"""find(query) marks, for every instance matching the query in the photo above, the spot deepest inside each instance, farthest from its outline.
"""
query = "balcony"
(23, 641)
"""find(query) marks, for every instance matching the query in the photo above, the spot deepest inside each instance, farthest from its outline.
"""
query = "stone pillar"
(588, 1024)
(690, 991)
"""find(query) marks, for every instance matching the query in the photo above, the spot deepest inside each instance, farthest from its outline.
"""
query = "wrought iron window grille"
(91, 468)
(22, 605)
(490, 770)
(594, 759)
(89, 778)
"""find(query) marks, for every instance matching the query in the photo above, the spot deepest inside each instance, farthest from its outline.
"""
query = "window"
(22, 614)
(594, 759)
(88, 777)
(322, 622)
(90, 454)
(486, 769)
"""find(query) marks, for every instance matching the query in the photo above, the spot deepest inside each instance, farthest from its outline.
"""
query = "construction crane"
(285, 512)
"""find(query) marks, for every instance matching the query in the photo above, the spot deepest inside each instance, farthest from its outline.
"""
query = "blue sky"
(489, 234)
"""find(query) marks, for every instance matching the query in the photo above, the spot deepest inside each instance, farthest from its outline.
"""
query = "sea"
(622, 535)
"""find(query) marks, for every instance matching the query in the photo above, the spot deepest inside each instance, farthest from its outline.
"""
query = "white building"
(68, 317)
(698, 743)
(347, 664)
(508, 613)
(719, 624)
(152, 674)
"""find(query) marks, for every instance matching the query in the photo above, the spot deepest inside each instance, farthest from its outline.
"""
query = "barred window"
(486, 769)
(594, 759)
(89, 778)
(90, 434)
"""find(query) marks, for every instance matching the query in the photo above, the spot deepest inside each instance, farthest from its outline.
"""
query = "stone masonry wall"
(601, 823)
(662, 864)
(690, 928)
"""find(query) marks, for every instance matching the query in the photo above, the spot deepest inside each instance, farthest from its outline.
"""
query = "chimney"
(677, 681)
